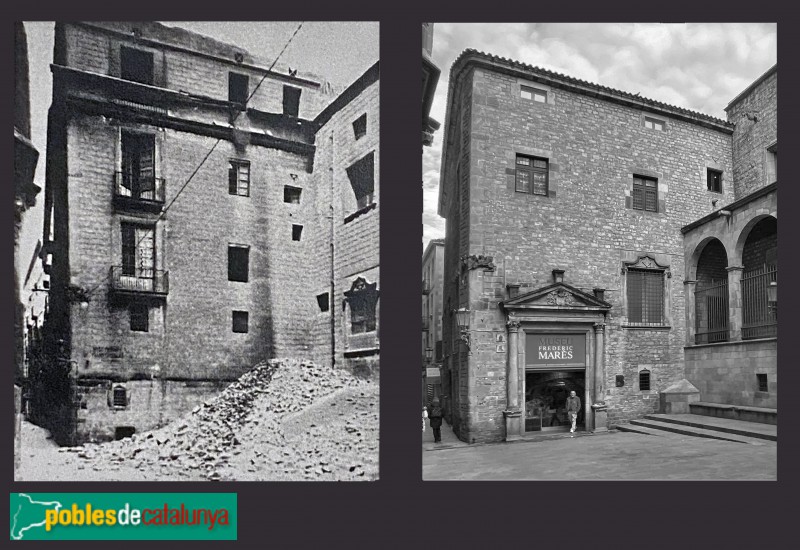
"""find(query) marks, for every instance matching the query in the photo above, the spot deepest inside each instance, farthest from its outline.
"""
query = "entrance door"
(546, 395)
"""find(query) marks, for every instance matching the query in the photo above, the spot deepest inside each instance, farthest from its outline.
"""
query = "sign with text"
(542, 350)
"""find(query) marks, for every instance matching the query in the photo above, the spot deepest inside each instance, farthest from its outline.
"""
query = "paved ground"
(604, 456)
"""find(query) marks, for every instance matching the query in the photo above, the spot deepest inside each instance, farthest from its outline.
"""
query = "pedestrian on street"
(573, 407)
(435, 416)
(424, 416)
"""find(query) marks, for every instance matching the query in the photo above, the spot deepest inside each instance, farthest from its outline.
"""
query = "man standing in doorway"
(573, 406)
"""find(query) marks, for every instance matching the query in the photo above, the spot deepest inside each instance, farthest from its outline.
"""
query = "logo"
(123, 516)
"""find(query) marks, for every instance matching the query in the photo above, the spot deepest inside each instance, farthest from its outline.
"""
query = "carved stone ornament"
(477, 261)
(513, 324)
(646, 262)
(561, 297)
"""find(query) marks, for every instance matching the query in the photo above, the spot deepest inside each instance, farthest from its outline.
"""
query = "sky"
(339, 52)
(701, 67)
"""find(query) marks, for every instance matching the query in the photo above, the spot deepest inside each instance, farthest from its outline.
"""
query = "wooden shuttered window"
(531, 175)
(645, 194)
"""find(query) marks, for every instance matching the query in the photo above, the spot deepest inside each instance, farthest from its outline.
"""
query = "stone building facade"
(188, 223)
(564, 202)
(432, 303)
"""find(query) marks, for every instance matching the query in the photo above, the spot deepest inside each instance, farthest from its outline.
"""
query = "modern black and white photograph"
(197, 251)
(599, 269)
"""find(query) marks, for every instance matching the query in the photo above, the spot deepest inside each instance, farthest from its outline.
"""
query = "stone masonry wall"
(751, 160)
(726, 373)
(190, 332)
(356, 235)
(585, 226)
(98, 52)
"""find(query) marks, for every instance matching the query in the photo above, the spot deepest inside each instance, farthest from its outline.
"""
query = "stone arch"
(738, 251)
(694, 260)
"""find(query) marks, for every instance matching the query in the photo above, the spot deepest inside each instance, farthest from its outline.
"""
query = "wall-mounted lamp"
(462, 320)
(772, 297)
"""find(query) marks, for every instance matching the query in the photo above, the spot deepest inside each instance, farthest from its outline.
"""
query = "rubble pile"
(283, 420)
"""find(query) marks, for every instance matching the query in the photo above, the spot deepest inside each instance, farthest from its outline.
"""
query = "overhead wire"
(213, 147)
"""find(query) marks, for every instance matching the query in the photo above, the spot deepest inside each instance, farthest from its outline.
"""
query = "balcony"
(139, 281)
(138, 193)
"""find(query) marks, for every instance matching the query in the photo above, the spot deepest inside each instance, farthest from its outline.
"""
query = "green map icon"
(27, 513)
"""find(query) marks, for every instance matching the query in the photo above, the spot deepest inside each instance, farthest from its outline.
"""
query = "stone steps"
(685, 424)
(760, 415)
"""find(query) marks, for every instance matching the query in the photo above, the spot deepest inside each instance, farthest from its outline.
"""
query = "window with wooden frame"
(763, 383)
(529, 92)
(239, 178)
(291, 100)
(531, 175)
(645, 194)
(645, 293)
(654, 123)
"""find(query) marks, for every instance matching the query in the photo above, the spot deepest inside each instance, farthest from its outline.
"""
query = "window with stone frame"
(360, 126)
(139, 317)
(645, 296)
(291, 100)
(238, 88)
(535, 94)
(239, 177)
(532, 175)
(654, 123)
(645, 194)
(644, 380)
(714, 180)
(238, 263)
(240, 320)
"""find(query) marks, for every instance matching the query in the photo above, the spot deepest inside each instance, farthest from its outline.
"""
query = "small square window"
(654, 123)
(537, 95)
(291, 194)
(239, 178)
(323, 301)
(291, 100)
(238, 263)
(136, 65)
(645, 194)
(532, 175)
(763, 384)
(360, 126)
(240, 321)
(297, 232)
(238, 88)
(139, 317)
(644, 380)
(714, 180)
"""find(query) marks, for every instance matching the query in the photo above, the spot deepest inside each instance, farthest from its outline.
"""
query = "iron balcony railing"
(139, 280)
(759, 316)
(136, 188)
(711, 312)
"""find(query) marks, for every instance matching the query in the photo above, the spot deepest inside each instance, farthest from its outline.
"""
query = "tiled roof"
(585, 85)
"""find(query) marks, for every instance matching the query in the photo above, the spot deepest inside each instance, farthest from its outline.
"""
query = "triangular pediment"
(556, 296)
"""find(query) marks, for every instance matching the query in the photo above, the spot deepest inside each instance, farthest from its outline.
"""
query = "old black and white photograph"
(197, 251)
(599, 269)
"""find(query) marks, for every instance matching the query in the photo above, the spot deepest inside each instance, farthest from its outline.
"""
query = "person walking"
(424, 416)
(435, 418)
(573, 407)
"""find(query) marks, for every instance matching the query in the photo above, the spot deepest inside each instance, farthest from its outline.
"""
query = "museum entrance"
(546, 395)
